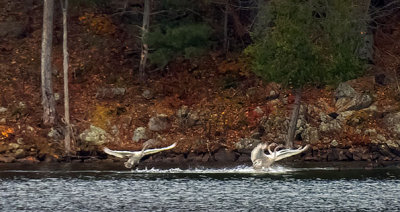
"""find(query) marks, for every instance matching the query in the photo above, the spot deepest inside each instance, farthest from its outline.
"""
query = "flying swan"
(135, 156)
(261, 160)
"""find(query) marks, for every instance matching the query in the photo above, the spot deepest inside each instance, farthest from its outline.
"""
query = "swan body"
(261, 160)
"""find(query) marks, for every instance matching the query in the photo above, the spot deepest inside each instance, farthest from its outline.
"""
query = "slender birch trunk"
(67, 139)
(145, 47)
(293, 120)
(48, 102)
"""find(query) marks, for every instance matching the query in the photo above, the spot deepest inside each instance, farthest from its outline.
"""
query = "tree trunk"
(293, 119)
(67, 139)
(226, 27)
(49, 112)
(239, 28)
(145, 48)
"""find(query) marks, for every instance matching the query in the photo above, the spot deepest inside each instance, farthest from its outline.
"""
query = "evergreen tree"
(178, 31)
(312, 42)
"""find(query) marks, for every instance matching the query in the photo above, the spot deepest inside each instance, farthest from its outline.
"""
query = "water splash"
(201, 170)
(235, 170)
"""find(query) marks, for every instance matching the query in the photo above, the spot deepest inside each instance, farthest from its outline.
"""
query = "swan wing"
(285, 153)
(120, 154)
(152, 151)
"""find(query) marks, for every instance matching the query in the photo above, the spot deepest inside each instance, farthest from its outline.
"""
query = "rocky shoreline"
(369, 157)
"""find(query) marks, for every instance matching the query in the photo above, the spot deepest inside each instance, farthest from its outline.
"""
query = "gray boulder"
(109, 93)
(95, 136)
(55, 134)
(329, 124)
(148, 94)
(13, 146)
(380, 139)
(186, 117)
(334, 143)
(276, 124)
(246, 144)
(394, 145)
(344, 90)
(392, 122)
(20, 153)
(347, 98)
(6, 159)
(310, 135)
(140, 133)
(159, 123)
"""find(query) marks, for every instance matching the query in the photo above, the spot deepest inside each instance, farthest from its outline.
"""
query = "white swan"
(261, 160)
(135, 156)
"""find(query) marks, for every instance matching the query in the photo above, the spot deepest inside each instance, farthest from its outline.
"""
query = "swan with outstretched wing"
(261, 160)
(135, 156)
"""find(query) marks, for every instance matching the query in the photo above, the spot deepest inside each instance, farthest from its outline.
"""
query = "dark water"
(93, 188)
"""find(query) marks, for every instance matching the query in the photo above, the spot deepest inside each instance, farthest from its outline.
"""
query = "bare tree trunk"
(239, 28)
(67, 139)
(293, 119)
(49, 112)
(226, 26)
(145, 47)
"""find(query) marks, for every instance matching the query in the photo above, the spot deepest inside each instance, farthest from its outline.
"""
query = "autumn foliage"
(98, 23)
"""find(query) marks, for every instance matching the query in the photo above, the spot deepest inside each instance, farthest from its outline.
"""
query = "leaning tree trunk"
(293, 119)
(48, 103)
(67, 139)
(145, 47)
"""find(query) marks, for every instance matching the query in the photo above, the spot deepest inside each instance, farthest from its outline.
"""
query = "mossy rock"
(94, 136)
(360, 118)
(357, 118)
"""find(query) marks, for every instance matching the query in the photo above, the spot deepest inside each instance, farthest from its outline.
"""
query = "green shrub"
(188, 40)
(299, 42)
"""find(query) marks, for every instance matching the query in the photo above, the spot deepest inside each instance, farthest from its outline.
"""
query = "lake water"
(86, 187)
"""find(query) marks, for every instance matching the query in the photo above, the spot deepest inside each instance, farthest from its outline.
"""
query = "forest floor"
(102, 54)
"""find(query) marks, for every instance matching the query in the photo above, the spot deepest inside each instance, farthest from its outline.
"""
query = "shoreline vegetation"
(212, 82)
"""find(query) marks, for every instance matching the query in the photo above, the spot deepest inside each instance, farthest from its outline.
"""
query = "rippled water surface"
(87, 188)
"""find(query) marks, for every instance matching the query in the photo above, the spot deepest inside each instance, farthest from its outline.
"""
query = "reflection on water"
(69, 187)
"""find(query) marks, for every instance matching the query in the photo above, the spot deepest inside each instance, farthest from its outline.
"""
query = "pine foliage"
(187, 40)
(315, 42)
(179, 31)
